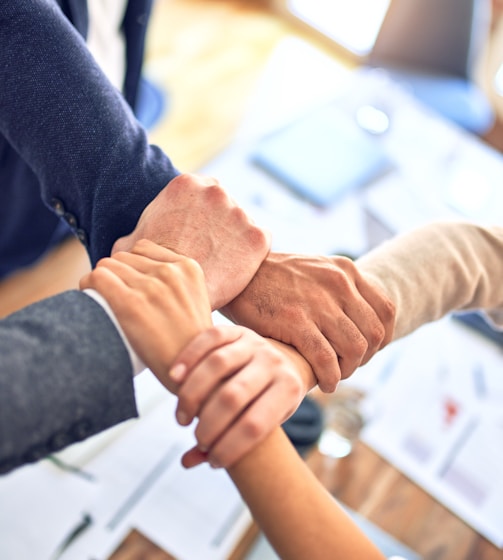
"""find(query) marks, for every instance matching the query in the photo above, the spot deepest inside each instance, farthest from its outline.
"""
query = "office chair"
(431, 47)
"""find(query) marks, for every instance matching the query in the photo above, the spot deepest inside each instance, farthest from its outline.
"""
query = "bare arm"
(298, 516)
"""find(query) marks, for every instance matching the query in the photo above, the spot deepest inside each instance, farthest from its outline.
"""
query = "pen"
(85, 522)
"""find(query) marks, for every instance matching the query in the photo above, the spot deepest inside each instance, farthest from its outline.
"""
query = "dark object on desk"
(322, 155)
(304, 427)
(477, 321)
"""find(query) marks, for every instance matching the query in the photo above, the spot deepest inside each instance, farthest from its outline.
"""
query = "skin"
(215, 372)
(195, 217)
(296, 513)
(151, 291)
(161, 302)
(336, 327)
(322, 306)
(146, 290)
(234, 411)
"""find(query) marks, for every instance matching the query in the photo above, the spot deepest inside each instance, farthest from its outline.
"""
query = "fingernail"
(177, 373)
(203, 448)
(214, 463)
(183, 418)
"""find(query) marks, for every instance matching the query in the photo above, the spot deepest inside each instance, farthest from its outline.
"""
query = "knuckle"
(164, 271)
(192, 267)
(358, 348)
(389, 311)
(218, 335)
(184, 180)
(311, 343)
(294, 388)
(257, 238)
(99, 273)
(218, 362)
(142, 244)
(231, 395)
(216, 194)
(105, 261)
(327, 370)
(376, 335)
(345, 263)
(151, 288)
(253, 428)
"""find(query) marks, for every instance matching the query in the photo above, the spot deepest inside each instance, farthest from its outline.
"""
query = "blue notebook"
(477, 321)
(322, 155)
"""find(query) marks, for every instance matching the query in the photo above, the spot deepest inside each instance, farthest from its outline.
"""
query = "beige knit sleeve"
(439, 268)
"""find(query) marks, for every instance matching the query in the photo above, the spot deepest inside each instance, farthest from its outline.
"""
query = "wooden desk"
(208, 54)
(371, 486)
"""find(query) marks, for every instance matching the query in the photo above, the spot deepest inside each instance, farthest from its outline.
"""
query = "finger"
(254, 425)
(348, 342)
(199, 347)
(193, 457)
(141, 263)
(156, 252)
(101, 277)
(378, 324)
(320, 354)
(150, 277)
(382, 306)
(370, 327)
(204, 180)
(109, 285)
(356, 332)
(212, 373)
(229, 401)
(133, 270)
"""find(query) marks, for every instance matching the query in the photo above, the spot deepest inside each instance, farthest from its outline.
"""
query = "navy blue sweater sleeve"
(72, 127)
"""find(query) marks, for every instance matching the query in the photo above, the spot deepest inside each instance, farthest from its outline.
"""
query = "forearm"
(64, 376)
(72, 127)
(298, 516)
(436, 269)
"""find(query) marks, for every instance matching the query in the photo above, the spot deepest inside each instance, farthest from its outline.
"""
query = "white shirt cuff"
(136, 362)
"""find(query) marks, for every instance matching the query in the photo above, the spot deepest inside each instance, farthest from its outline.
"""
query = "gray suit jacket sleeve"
(65, 374)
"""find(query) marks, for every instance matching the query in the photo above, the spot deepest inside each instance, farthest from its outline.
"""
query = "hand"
(159, 299)
(240, 386)
(322, 306)
(194, 216)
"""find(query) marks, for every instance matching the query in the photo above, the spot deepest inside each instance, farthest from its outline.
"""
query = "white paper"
(438, 417)
(134, 479)
(39, 506)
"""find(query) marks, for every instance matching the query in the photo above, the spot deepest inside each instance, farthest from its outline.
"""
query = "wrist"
(137, 364)
(299, 364)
